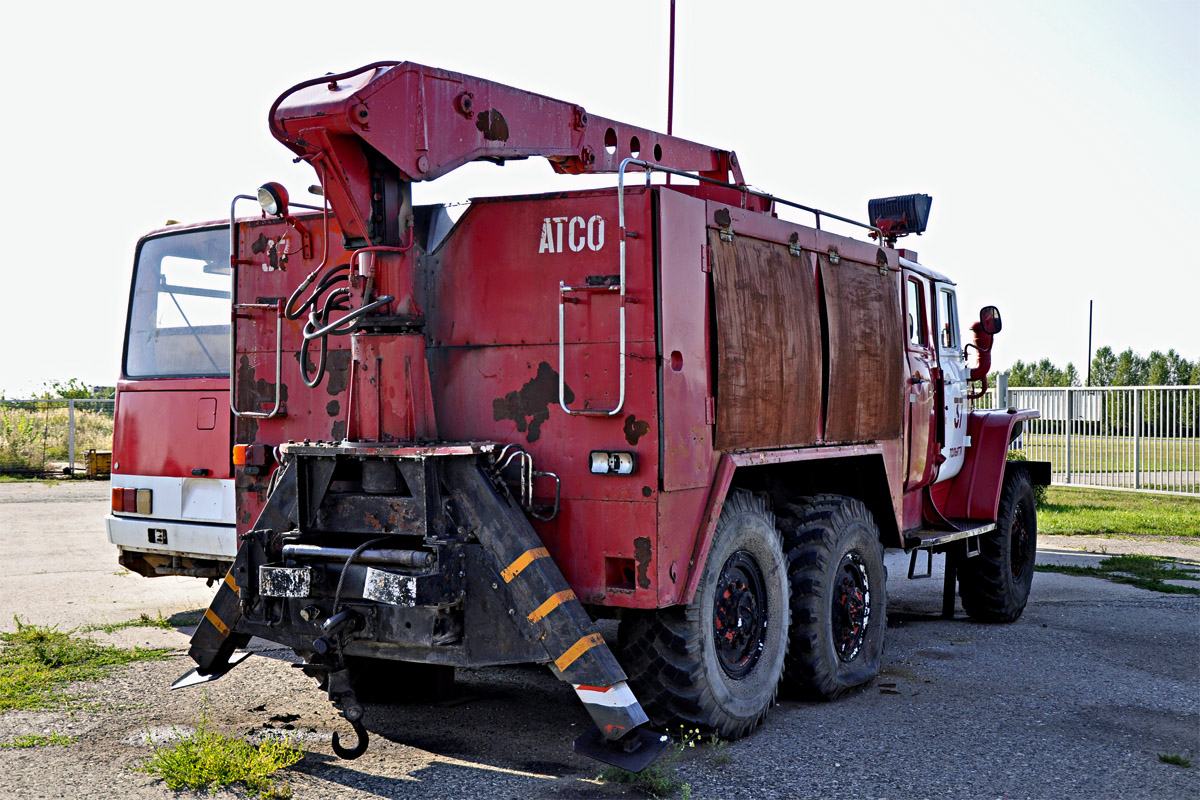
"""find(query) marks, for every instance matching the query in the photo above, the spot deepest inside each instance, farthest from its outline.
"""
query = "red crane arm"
(427, 122)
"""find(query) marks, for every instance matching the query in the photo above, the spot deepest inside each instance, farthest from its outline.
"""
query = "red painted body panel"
(686, 371)
(168, 427)
(273, 265)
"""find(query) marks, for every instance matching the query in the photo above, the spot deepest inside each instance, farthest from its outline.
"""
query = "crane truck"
(461, 445)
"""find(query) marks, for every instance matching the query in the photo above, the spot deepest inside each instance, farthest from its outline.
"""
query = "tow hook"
(341, 689)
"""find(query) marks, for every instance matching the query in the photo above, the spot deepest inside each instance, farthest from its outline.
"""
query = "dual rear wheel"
(801, 598)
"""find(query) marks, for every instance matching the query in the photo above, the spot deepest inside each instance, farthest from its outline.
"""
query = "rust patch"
(492, 125)
(254, 395)
(338, 432)
(635, 429)
(337, 369)
(530, 407)
(641, 554)
(723, 218)
(647, 491)
(264, 245)
(332, 408)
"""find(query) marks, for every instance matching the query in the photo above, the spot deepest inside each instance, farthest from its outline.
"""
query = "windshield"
(179, 310)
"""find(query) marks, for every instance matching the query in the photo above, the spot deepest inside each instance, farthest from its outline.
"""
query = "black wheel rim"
(1020, 541)
(739, 614)
(851, 606)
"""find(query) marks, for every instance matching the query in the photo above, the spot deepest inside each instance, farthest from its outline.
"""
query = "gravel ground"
(1076, 699)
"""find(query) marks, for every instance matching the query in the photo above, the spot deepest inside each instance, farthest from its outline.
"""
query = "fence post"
(71, 436)
(1137, 439)
(1002, 390)
(1070, 418)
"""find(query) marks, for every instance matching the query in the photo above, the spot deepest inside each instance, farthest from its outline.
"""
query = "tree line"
(1109, 369)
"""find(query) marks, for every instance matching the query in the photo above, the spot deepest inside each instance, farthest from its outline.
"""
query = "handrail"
(234, 308)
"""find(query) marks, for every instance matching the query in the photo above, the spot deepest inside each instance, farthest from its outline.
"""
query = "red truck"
(460, 445)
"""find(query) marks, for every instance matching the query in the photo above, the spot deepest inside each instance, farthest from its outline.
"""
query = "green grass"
(32, 434)
(1174, 758)
(1144, 572)
(658, 780)
(40, 740)
(143, 621)
(37, 663)
(209, 759)
(1096, 512)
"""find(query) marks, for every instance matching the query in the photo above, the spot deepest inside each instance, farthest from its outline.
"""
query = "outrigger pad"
(194, 677)
(636, 751)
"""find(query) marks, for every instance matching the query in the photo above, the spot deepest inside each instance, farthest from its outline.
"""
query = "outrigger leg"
(542, 599)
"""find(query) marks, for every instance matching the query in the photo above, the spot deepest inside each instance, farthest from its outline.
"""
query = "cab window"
(916, 313)
(947, 319)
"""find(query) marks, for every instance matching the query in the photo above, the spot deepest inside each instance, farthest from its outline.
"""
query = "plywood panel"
(866, 359)
(768, 345)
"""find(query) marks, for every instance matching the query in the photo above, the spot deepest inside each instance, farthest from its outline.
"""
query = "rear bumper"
(167, 538)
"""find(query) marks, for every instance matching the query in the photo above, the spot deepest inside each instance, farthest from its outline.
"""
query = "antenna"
(671, 83)
(671, 77)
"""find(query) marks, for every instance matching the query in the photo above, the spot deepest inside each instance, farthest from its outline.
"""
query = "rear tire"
(715, 664)
(838, 596)
(995, 584)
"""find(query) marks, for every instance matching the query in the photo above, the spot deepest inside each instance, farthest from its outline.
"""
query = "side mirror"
(989, 319)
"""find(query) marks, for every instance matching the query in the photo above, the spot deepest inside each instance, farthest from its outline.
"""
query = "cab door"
(921, 384)
(952, 392)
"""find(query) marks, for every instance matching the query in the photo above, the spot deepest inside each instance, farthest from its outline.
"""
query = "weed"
(209, 759)
(658, 780)
(1039, 492)
(1144, 572)
(1174, 758)
(40, 740)
(143, 621)
(36, 663)
(720, 751)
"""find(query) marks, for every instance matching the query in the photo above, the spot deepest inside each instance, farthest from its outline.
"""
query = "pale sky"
(1058, 139)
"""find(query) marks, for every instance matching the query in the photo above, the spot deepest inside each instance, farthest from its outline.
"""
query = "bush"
(1039, 492)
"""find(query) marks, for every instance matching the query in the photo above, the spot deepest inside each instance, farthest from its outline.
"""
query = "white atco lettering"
(547, 237)
(596, 232)
(579, 233)
(576, 243)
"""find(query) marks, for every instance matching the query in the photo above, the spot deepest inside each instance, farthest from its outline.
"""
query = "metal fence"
(1145, 438)
(51, 437)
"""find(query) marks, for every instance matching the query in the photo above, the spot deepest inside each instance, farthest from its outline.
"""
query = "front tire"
(838, 596)
(995, 584)
(716, 663)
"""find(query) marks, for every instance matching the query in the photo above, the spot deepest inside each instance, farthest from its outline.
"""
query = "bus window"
(179, 311)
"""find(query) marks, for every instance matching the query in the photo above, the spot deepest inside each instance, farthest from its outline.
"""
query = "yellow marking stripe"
(576, 650)
(212, 617)
(523, 561)
(230, 581)
(554, 602)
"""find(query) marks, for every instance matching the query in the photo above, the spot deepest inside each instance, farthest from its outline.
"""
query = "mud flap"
(542, 599)
(214, 643)
(216, 639)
